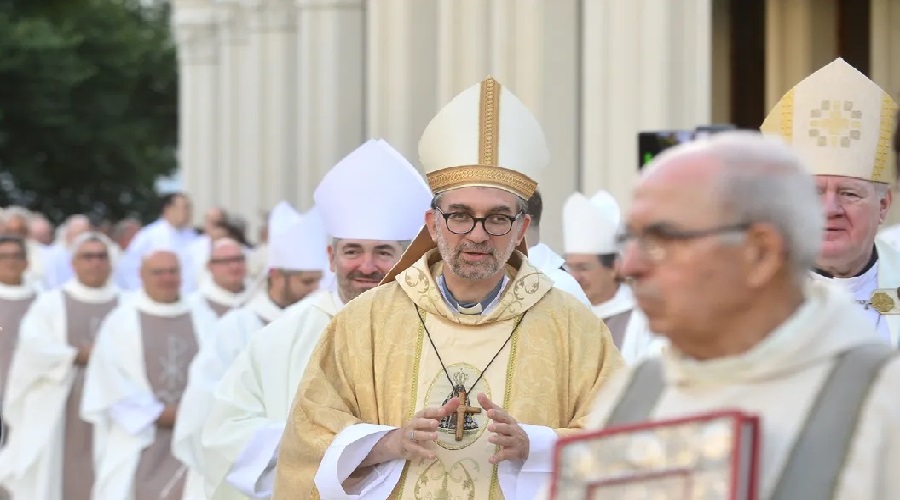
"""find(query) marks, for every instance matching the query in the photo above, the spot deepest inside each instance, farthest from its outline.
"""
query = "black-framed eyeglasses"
(654, 241)
(464, 223)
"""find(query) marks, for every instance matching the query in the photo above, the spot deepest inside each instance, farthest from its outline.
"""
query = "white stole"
(230, 334)
(40, 379)
(117, 377)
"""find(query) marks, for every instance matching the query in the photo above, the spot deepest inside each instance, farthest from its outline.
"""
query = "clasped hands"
(416, 439)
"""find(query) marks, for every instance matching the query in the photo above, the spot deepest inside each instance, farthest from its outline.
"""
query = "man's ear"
(430, 223)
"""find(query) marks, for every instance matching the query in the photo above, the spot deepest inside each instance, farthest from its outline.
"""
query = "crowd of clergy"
(411, 337)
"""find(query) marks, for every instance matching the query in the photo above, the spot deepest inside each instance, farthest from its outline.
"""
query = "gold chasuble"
(375, 364)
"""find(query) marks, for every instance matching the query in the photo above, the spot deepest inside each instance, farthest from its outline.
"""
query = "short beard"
(477, 271)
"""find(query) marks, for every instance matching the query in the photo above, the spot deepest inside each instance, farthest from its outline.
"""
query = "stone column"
(232, 34)
(331, 100)
(646, 65)
(249, 157)
(195, 34)
(401, 71)
(278, 40)
(801, 37)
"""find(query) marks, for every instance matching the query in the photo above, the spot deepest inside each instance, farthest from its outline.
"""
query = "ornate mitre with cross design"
(484, 137)
(840, 123)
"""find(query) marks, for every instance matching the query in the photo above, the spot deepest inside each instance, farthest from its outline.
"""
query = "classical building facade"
(274, 92)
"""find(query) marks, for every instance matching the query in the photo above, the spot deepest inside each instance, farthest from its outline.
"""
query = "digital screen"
(651, 144)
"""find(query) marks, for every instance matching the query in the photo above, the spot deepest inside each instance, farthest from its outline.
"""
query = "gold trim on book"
(488, 128)
(449, 178)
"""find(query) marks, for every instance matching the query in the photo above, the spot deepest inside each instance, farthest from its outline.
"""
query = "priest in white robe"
(171, 230)
(198, 250)
(465, 347)
(58, 257)
(729, 228)
(253, 401)
(589, 240)
(134, 383)
(227, 287)
(16, 222)
(853, 176)
(296, 265)
(49, 452)
(544, 258)
(17, 293)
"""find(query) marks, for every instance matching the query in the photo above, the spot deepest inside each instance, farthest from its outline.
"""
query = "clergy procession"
(727, 332)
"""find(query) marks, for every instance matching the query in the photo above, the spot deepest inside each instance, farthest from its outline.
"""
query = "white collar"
(544, 258)
(865, 282)
(210, 290)
(145, 304)
(84, 293)
(264, 307)
(622, 301)
(13, 292)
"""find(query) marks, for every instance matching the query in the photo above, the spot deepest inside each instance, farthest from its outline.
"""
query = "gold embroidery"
(882, 302)
(507, 398)
(787, 116)
(835, 123)
(880, 172)
(414, 387)
(483, 175)
(488, 128)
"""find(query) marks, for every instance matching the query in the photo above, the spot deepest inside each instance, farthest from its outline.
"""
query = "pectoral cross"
(461, 412)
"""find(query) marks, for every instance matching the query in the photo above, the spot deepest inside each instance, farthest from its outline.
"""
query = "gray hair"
(16, 212)
(763, 180)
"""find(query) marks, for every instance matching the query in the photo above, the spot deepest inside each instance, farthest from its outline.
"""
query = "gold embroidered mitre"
(839, 121)
(484, 137)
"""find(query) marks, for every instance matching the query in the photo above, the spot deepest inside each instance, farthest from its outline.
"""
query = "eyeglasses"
(655, 240)
(228, 260)
(494, 224)
(162, 271)
(93, 256)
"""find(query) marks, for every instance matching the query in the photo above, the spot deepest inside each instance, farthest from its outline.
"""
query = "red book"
(710, 456)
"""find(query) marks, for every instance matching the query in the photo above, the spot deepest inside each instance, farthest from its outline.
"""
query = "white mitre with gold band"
(484, 137)
(839, 121)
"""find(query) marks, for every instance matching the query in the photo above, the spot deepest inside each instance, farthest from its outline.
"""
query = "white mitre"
(587, 229)
(840, 123)
(608, 206)
(296, 242)
(374, 193)
(486, 137)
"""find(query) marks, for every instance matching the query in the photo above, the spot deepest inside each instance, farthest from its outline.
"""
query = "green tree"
(88, 105)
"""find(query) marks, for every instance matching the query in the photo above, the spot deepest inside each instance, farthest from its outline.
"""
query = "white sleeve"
(523, 479)
(136, 413)
(349, 448)
(253, 472)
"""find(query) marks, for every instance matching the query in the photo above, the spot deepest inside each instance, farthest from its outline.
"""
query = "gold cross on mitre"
(839, 122)
(461, 412)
